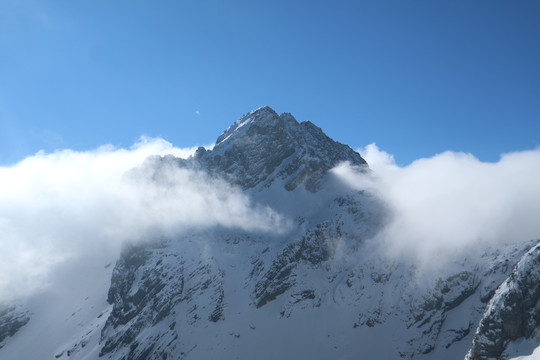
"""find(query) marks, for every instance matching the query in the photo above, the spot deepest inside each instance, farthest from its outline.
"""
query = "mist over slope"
(72, 205)
(452, 203)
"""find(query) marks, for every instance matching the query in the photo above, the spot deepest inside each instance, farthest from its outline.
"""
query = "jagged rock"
(148, 284)
(11, 321)
(262, 147)
(512, 312)
(316, 247)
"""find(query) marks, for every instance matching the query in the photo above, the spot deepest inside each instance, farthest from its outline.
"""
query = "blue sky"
(416, 77)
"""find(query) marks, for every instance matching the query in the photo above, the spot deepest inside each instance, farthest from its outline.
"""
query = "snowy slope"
(316, 288)
(67, 317)
(534, 356)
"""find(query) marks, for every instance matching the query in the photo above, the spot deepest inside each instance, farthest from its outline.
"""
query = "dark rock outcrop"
(262, 147)
(513, 311)
(11, 321)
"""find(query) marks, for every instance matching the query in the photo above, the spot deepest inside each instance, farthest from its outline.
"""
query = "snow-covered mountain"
(316, 286)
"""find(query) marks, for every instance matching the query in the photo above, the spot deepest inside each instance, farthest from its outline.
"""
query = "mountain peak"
(262, 146)
(264, 117)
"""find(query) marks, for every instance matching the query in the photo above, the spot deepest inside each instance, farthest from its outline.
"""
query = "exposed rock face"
(148, 284)
(316, 247)
(136, 293)
(263, 146)
(512, 312)
(11, 321)
(430, 313)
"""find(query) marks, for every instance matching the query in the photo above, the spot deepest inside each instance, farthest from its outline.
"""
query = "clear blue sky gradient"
(416, 77)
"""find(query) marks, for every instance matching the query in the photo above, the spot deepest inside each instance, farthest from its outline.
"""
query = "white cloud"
(379, 161)
(69, 205)
(73, 205)
(453, 202)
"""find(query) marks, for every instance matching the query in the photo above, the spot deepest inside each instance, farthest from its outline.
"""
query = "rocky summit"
(263, 146)
(315, 287)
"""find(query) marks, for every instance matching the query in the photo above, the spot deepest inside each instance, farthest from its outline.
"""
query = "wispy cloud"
(453, 202)
(68, 204)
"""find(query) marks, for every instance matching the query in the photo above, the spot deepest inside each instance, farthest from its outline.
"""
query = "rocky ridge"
(263, 147)
(512, 313)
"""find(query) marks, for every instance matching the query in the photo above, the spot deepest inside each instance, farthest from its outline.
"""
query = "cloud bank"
(68, 205)
(453, 202)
